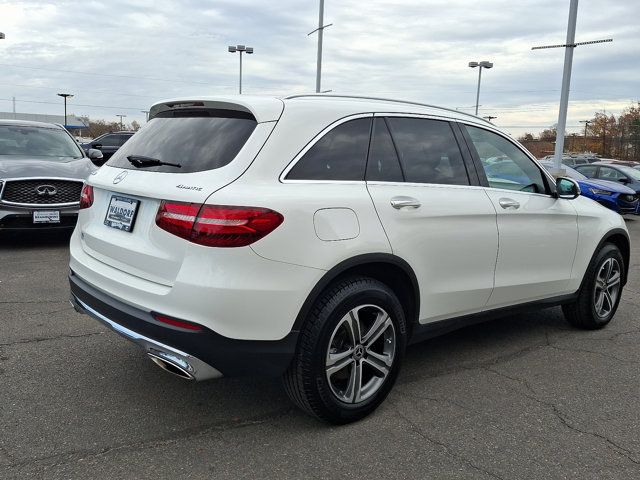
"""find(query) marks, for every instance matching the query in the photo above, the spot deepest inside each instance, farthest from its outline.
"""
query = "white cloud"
(415, 49)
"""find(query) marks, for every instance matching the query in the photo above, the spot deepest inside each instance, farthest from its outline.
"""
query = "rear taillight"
(86, 196)
(217, 225)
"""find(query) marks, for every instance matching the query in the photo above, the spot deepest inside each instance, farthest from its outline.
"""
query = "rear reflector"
(174, 322)
(217, 225)
(86, 196)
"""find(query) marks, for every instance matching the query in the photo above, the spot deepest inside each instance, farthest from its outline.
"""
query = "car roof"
(29, 123)
(266, 109)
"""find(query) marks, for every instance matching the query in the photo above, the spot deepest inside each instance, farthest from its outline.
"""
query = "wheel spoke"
(333, 358)
(607, 296)
(338, 365)
(599, 302)
(608, 268)
(353, 324)
(613, 280)
(383, 321)
(355, 382)
(381, 363)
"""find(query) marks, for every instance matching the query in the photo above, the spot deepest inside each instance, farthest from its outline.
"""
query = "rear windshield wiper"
(140, 161)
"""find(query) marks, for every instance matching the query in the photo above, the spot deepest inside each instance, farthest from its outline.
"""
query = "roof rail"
(381, 99)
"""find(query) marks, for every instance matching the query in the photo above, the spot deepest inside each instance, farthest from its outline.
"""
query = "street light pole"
(586, 124)
(320, 34)
(121, 117)
(481, 65)
(146, 115)
(240, 49)
(65, 96)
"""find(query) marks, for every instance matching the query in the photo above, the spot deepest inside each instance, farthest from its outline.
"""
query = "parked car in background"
(313, 237)
(613, 161)
(611, 194)
(622, 174)
(42, 170)
(109, 143)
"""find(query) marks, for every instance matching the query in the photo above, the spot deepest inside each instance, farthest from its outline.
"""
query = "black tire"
(584, 313)
(306, 381)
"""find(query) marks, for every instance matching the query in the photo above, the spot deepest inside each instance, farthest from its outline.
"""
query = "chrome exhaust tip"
(172, 366)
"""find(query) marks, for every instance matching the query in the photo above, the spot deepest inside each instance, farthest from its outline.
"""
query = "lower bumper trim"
(193, 367)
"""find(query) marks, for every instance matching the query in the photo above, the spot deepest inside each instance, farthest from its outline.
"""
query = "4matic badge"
(189, 187)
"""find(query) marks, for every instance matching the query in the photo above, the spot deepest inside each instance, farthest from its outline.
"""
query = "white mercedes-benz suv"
(313, 237)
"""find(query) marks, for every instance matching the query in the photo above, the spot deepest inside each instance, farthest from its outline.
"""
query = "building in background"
(77, 126)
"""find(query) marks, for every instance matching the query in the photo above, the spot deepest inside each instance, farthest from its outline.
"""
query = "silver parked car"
(42, 170)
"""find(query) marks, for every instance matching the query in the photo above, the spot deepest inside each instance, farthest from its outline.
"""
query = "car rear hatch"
(213, 141)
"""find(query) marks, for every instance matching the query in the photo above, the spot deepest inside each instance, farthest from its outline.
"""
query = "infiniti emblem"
(46, 190)
(120, 177)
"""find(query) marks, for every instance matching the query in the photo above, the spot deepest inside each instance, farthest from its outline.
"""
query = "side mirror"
(623, 180)
(95, 156)
(97, 146)
(567, 188)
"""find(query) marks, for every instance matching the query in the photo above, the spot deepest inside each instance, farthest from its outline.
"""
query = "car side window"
(109, 141)
(383, 164)
(514, 170)
(608, 173)
(428, 151)
(588, 170)
(121, 139)
(341, 154)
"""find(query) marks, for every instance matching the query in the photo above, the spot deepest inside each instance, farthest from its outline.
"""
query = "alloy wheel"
(607, 287)
(360, 353)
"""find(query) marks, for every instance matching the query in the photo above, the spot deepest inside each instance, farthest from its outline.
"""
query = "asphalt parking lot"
(519, 397)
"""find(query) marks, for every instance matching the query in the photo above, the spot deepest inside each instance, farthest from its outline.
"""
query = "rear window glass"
(340, 155)
(198, 140)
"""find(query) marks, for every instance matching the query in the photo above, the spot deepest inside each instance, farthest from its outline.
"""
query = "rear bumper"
(204, 355)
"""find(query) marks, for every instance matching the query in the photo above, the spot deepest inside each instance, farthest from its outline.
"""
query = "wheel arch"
(620, 238)
(384, 267)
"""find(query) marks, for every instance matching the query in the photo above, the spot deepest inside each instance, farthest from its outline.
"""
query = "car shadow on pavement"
(34, 239)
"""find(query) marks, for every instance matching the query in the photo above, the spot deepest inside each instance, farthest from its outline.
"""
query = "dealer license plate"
(121, 213)
(46, 216)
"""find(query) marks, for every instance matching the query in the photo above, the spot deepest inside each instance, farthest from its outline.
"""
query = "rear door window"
(383, 164)
(341, 154)
(198, 140)
(428, 151)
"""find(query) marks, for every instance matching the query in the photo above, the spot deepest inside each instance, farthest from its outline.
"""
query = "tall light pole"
(241, 49)
(568, 46)
(65, 96)
(586, 124)
(320, 31)
(146, 115)
(481, 65)
(121, 117)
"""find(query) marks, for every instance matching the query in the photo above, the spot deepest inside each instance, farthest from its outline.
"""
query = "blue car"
(611, 194)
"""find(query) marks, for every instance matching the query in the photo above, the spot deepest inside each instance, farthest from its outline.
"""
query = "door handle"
(400, 202)
(509, 204)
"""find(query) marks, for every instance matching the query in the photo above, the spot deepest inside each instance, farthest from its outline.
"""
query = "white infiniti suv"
(313, 237)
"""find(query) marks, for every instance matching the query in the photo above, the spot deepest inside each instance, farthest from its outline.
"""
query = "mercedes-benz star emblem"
(46, 190)
(120, 177)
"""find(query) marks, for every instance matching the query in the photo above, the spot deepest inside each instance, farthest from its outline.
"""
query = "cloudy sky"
(118, 57)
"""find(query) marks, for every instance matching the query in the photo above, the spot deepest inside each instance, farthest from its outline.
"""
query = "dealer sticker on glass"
(121, 213)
